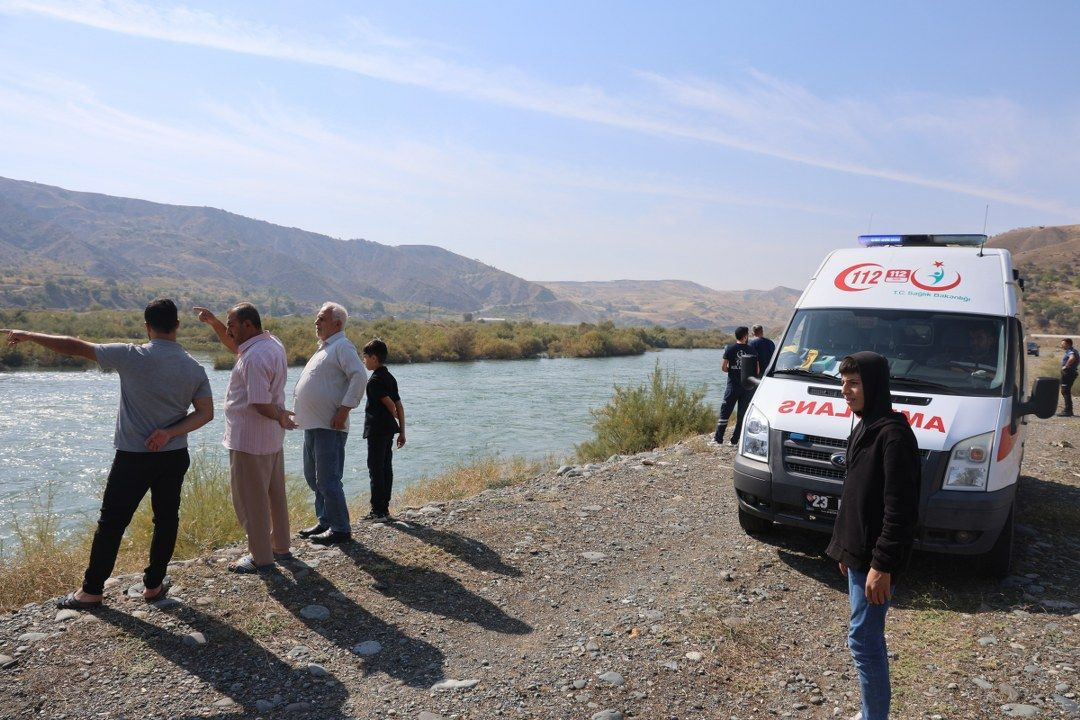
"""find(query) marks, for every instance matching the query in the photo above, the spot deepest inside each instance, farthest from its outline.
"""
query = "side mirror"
(1043, 400)
(748, 378)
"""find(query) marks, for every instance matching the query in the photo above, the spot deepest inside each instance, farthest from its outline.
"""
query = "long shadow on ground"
(231, 662)
(464, 548)
(432, 591)
(410, 660)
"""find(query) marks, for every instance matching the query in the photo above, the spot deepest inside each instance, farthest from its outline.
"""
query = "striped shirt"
(257, 377)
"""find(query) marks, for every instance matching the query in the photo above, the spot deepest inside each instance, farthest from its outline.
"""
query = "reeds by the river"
(408, 341)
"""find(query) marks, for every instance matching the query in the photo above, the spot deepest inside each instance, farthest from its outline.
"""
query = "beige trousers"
(258, 493)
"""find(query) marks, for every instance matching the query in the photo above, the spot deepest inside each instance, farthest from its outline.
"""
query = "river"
(56, 427)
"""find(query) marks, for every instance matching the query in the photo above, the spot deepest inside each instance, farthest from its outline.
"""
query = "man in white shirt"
(331, 385)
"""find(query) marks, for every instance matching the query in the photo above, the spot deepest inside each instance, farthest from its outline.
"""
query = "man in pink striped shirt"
(255, 425)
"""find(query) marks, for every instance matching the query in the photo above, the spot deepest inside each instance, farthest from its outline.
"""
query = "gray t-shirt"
(158, 381)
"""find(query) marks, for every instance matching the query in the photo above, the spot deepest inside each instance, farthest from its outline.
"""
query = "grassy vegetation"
(44, 562)
(409, 341)
(659, 412)
(1052, 297)
(467, 479)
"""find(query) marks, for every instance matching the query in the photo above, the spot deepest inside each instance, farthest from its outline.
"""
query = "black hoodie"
(879, 508)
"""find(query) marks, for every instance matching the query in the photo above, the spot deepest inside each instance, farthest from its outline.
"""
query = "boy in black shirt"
(384, 416)
(875, 529)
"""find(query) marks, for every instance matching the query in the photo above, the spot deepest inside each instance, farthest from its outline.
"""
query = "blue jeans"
(324, 463)
(866, 640)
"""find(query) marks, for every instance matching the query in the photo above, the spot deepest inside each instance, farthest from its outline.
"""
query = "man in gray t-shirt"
(159, 381)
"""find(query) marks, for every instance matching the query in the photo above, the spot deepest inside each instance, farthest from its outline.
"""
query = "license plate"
(822, 504)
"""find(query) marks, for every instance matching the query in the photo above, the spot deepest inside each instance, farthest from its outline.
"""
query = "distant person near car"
(734, 395)
(1069, 362)
(159, 381)
(384, 417)
(331, 385)
(875, 527)
(762, 346)
(255, 425)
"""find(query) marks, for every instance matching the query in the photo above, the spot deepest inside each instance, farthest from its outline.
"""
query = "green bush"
(658, 412)
(224, 361)
(497, 349)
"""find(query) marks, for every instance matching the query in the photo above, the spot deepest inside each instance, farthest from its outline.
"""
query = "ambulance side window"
(1016, 357)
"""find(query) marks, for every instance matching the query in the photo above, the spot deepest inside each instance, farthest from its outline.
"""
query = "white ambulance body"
(945, 312)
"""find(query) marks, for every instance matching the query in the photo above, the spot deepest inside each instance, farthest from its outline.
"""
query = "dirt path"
(626, 591)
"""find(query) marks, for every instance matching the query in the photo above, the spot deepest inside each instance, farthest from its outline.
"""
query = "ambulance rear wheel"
(998, 561)
(752, 524)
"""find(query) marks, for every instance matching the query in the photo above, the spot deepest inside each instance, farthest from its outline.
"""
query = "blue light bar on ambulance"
(922, 240)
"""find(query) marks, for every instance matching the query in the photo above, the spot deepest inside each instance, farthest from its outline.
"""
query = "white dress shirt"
(334, 376)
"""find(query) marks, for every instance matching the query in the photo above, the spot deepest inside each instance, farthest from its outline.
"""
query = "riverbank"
(408, 341)
(619, 589)
(43, 560)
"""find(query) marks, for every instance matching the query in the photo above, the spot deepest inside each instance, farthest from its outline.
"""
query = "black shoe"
(734, 441)
(1065, 415)
(383, 518)
(371, 517)
(313, 530)
(331, 537)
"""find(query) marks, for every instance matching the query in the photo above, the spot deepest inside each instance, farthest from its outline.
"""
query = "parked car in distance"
(1033, 349)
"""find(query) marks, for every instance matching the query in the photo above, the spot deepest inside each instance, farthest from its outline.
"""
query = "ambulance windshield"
(928, 352)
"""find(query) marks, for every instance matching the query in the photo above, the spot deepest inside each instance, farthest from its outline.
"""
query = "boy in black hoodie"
(875, 527)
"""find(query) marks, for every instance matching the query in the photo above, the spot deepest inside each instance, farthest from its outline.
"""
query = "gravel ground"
(622, 589)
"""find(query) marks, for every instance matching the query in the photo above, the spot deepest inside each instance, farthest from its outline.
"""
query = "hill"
(1049, 261)
(679, 303)
(65, 249)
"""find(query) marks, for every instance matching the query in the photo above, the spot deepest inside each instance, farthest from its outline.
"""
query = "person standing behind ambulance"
(734, 395)
(763, 347)
(1069, 362)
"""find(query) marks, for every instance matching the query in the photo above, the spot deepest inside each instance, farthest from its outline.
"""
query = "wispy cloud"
(763, 115)
(265, 149)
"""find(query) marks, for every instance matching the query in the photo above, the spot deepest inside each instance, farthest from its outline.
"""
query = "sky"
(731, 144)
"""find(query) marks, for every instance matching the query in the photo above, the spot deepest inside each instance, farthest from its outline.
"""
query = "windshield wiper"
(809, 374)
(928, 384)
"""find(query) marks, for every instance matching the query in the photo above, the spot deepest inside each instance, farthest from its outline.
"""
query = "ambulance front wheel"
(752, 524)
(998, 561)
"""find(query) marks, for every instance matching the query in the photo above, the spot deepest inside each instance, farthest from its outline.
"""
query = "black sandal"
(70, 602)
(165, 585)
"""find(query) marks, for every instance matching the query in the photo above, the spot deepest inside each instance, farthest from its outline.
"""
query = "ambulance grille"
(811, 456)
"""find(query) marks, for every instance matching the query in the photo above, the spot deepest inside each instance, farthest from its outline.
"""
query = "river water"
(56, 427)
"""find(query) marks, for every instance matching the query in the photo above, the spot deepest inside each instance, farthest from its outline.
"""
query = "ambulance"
(946, 313)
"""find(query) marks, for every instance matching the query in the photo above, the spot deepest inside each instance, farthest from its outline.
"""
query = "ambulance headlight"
(755, 436)
(969, 464)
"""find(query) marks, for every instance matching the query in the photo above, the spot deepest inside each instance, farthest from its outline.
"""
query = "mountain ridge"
(103, 237)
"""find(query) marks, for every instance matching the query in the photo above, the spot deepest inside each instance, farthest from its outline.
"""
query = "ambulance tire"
(997, 562)
(752, 524)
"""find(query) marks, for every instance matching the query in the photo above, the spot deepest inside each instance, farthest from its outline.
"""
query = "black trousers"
(380, 455)
(131, 475)
(1067, 380)
(734, 397)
